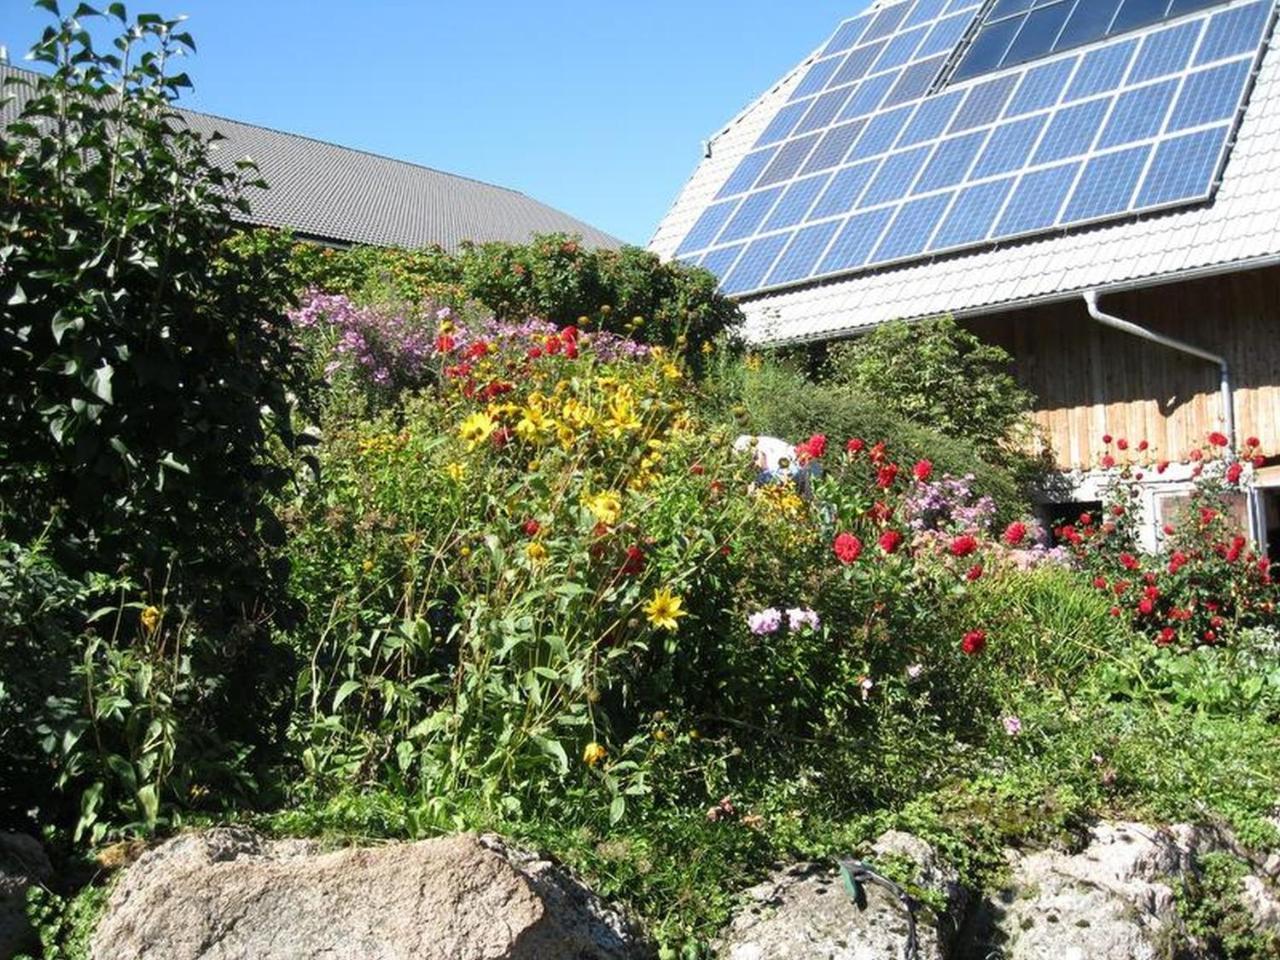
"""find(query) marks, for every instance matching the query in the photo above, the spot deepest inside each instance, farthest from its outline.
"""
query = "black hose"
(857, 875)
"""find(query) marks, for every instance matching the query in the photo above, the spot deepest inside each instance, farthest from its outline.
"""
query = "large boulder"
(803, 913)
(1110, 901)
(229, 894)
(22, 864)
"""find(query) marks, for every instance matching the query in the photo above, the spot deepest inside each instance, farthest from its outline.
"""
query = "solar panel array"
(874, 160)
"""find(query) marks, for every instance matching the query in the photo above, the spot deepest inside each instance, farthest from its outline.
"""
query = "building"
(1092, 184)
(340, 196)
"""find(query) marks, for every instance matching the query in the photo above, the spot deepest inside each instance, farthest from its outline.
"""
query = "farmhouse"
(340, 196)
(1092, 184)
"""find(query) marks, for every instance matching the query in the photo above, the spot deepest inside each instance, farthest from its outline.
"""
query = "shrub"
(765, 397)
(145, 428)
(628, 291)
(936, 373)
(1206, 584)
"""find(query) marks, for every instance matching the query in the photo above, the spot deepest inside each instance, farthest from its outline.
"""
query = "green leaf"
(61, 324)
(555, 750)
(617, 809)
(19, 296)
(100, 382)
(149, 803)
(348, 687)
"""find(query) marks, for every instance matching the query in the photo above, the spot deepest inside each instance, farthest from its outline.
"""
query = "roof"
(1238, 230)
(328, 192)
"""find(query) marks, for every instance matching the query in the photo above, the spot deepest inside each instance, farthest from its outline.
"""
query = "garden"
(377, 544)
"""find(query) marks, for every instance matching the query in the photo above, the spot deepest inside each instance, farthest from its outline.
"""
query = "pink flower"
(1012, 725)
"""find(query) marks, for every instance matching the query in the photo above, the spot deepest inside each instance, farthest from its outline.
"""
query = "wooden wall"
(1091, 380)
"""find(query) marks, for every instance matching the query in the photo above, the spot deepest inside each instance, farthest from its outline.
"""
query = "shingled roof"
(340, 195)
(1239, 230)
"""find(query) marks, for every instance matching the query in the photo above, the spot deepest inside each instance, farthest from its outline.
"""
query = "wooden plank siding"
(1090, 380)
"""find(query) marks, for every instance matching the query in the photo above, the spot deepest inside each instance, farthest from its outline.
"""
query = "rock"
(22, 864)
(803, 913)
(229, 894)
(1111, 901)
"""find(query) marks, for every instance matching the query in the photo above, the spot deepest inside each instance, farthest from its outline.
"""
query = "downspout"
(1228, 393)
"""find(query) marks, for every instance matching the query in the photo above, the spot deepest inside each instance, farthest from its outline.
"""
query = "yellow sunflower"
(665, 609)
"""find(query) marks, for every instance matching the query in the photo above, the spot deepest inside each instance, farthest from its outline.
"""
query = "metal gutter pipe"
(1125, 326)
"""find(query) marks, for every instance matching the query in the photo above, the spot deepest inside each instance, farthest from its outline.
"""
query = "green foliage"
(1216, 918)
(766, 397)
(554, 277)
(137, 351)
(65, 925)
(936, 373)
(145, 428)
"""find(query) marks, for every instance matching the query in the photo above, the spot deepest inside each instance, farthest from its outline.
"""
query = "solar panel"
(884, 152)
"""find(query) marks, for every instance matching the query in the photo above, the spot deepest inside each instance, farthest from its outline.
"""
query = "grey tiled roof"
(333, 193)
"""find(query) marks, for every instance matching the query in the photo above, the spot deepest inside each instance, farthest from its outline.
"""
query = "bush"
(933, 372)
(628, 291)
(145, 428)
(765, 397)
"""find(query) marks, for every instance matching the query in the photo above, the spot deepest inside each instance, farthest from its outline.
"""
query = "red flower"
(1117, 510)
(1162, 466)
(445, 343)
(476, 350)
(1219, 439)
(1167, 636)
(1259, 462)
(1144, 446)
(974, 642)
(569, 333)
(1107, 439)
(881, 512)
(1208, 515)
(532, 528)
(855, 445)
(634, 564)
(1086, 519)
(697, 469)
(1129, 561)
(1146, 606)
(964, 546)
(1100, 583)
(975, 573)
(501, 437)
(1122, 444)
(878, 452)
(847, 547)
(1253, 443)
(571, 349)
(1015, 533)
(1116, 612)
(887, 475)
(553, 345)
(922, 471)
(811, 449)
(1197, 454)
(1108, 461)
(890, 541)
(1235, 472)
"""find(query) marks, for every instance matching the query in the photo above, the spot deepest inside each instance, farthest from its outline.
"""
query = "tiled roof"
(1237, 230)
(334, 193)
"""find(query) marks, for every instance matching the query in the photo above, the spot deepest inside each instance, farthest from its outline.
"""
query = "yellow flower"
(606, 507)
(622, 414)
(151, 619)
(455, 472)
(536, 553)
(671, 371)
(708, 347)
(476, 429)
(593, 754)
(367, 566)
(754, 362)
(534, 423)
(665, 609)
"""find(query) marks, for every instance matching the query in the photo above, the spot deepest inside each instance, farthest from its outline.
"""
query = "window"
(1016, 31)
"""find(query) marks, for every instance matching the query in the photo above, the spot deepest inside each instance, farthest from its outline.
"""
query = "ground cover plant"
(490, 560)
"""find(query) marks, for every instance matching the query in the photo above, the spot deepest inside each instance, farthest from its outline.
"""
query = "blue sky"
(595, 108)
